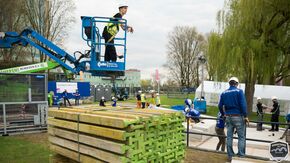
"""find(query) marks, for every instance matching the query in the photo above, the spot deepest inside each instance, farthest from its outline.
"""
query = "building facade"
(131, 79)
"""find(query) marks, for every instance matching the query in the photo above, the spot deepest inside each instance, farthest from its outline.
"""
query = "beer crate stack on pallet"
(117, 135)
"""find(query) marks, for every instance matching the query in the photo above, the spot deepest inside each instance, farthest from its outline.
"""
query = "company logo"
(102, 64)
(279, 151)
(107, 64)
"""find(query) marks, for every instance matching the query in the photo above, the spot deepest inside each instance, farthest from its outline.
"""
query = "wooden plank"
(90, 129)
(105, 113)
(94, 118)
(73, 155)
(92, 141)
(96, 153)
(155, 111)
(140, 114)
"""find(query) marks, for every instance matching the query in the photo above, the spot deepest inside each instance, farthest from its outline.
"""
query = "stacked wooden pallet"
(117, 135)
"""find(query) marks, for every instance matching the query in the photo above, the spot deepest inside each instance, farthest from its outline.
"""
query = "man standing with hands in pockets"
(233, 106)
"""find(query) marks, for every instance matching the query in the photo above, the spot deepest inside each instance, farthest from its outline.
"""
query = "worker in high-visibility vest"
(50, 98)
(143, 100)
(151, 100)
(111, 30)
(157, 100)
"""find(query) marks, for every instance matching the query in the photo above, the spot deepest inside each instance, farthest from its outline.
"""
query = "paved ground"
(253, 148)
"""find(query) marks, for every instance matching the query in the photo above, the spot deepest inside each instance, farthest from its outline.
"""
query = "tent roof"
(263, 91)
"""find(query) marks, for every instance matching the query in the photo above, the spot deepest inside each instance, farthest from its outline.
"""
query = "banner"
(69, 87)
(25, 68)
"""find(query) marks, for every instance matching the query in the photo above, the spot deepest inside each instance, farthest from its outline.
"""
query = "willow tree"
(252, 42)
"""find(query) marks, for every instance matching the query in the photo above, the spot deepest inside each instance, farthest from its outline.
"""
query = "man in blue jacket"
(65, 97)
(233, 106)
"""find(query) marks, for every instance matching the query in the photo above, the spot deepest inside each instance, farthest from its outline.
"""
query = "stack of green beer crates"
(117, 134)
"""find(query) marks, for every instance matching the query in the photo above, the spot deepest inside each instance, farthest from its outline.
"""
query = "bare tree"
(184, 46)
(50, 18)
(146, 83)
(11, 19)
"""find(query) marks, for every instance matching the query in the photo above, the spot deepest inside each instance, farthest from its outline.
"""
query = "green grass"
(165, 101)
(14, 150)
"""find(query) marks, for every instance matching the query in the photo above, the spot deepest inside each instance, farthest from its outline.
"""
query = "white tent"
(212, 91)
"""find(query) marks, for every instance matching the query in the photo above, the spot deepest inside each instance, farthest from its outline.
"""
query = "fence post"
(245, 137)
(4, 120)
(187, 133)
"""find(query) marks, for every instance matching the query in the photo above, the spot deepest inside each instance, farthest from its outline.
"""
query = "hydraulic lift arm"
(29, 36)
(91, 33)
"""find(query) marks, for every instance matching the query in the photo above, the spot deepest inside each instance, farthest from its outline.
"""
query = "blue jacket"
(192, 113)
(234, 102)
(220, 123)
(64, 94)
(288, 117)
(114, 104)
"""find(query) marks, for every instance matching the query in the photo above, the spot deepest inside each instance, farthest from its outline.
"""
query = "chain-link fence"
(178, 92)
(107, 91)
(22, 87)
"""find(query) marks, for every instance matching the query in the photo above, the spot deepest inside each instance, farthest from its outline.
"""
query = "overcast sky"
(152, 21)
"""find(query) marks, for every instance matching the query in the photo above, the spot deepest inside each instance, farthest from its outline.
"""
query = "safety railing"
(94, 38)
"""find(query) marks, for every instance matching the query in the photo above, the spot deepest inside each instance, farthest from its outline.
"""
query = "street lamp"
(202, 60)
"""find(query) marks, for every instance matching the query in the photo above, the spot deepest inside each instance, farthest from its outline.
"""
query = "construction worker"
(233, 106)
(114, 104)
(151, 101)
(190, 112)
(65, 97)
(260, 113)
(157, 100)
(138, 98)
(102, 102)
(77, 98)
(143, 100)
(50, 98)
(275, 110)
(111, 30)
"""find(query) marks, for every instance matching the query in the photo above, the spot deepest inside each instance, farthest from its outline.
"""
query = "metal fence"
(23, 102)
(178, 92)
(188, 133)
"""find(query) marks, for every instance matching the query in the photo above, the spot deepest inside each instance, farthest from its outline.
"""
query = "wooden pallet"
(117, 135)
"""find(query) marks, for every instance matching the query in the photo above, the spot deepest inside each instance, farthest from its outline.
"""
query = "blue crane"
(90, 61)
